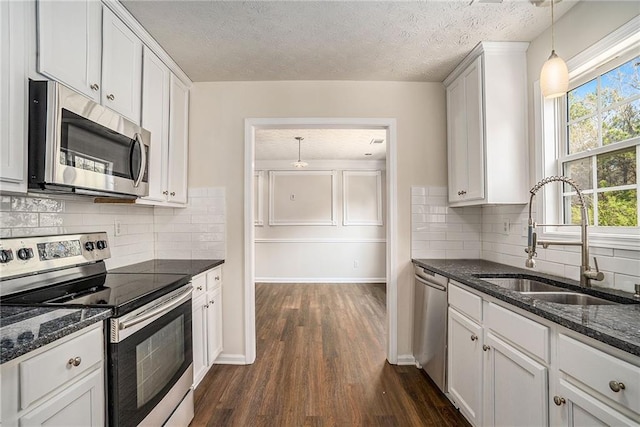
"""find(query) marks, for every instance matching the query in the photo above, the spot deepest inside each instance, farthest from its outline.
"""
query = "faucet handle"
(599, 275)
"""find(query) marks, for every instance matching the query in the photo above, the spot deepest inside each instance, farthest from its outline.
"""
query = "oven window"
(158, 358)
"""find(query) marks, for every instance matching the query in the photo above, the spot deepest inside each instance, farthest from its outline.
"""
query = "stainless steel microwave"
(77, 146)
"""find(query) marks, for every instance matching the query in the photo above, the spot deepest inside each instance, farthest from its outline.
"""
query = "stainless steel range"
(149, 344)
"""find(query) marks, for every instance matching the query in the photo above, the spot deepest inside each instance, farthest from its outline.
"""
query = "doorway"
(389, 127)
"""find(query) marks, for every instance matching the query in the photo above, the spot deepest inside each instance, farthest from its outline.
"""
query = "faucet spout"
(586, 273)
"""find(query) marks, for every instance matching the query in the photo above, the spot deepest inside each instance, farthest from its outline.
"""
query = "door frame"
(250, 126)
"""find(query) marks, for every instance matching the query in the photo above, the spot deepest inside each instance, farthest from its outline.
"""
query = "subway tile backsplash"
(146, 232)
(481, 231)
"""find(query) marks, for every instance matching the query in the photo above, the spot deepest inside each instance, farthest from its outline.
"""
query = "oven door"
(150, 360)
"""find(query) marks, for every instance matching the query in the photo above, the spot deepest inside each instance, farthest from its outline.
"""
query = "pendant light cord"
(553, 44)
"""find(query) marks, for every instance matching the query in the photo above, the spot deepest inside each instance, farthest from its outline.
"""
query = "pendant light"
(299, 164)
(554, 76)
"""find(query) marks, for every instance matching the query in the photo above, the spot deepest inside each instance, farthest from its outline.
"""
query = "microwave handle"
(143, 159)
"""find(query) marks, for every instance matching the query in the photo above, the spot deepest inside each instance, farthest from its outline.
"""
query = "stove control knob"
(25, 253)
(6, 255)
(101, 244)
(89, 246)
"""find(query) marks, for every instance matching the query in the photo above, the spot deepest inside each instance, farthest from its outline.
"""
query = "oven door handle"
(158, 310)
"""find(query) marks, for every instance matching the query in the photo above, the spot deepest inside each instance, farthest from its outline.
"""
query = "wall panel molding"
(302, 197)
(362, 200)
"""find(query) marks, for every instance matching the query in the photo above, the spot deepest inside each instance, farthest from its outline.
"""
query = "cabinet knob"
(474, 337)
(199, 288)
(110, 97)
(74, 361)
(559, 401)
(94, 87)
(616, 386)
(206, 306)
(217, 278)
(212, 302)
(173, 193)
(165, 192)
(485, 347)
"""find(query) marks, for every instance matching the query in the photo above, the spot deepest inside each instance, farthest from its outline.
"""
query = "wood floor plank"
(321, 362)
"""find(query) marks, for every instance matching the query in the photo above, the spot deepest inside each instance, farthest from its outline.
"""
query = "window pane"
(621, 83)
(618, 208)
(583, 135)
(621, 123)
(572, 209)
(617, 168)
(580, 171)
(583, 100)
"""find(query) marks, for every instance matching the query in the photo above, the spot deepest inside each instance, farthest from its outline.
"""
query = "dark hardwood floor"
(321, 362)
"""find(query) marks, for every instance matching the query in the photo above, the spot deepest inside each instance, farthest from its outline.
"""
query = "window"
(592, 135)
(601, 147)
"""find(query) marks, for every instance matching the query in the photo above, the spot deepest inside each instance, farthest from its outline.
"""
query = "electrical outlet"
(356, 264)
(117, 227)
(506, 226)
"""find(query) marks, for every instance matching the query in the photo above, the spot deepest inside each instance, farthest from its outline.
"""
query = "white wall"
(320, 253)
(216, 156)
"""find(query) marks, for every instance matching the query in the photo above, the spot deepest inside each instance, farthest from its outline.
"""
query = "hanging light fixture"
(554, 76)
(299, 164)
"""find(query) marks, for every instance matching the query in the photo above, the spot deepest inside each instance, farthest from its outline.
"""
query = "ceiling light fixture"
(554, 76)
(299, 164)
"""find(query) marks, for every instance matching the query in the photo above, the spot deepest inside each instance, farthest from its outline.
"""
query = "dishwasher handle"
(431, 284)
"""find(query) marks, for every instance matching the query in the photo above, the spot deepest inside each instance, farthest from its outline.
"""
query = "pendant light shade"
(554, 76)
(299, 164)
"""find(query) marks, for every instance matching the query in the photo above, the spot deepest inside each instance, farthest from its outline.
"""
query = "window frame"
(550, 139)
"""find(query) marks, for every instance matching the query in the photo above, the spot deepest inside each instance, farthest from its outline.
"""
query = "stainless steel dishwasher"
(430, 325)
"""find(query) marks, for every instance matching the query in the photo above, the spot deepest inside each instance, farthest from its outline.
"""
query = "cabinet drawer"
(529, 335)
(51, 369)
(597, 369)
(466, 302)
(199, 285)
(214, 279)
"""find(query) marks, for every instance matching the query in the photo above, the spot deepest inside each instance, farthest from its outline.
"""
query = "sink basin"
(520, 284)
(569, 298)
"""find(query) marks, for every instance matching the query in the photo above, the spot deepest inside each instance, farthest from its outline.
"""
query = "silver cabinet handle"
(616, 386)
(474, 337)
(559, 401)
(94, 87)
(74, 361)
(461, 193)
(110, 97)
(485, 347)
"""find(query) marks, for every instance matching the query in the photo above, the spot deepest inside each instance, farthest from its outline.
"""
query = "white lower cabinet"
(60, 384)
(207, 321)
(465, 365)
(517, 369)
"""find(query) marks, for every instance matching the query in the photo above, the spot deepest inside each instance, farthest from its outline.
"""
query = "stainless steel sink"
(520, 284)
(569, 298)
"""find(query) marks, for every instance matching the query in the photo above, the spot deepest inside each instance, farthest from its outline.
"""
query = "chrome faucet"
(586, 273)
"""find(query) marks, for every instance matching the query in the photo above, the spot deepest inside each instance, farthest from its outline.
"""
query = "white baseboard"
(231, 359)
(406, 359)
(320, 280)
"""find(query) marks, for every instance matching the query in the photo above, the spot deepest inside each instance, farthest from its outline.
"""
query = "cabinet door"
(121, 67)
(475, 131)
(465, 365)
(155, 119)
(78, 404)
(515, 386)
(199, 325)
(578, 408)
(178, 140)
(214, 326)
(69, 43)
(13, 94)
(457, 139)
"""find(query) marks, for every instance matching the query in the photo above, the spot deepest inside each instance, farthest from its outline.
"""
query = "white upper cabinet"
(13, 94)
(88, 48)
(70, 44)
(121, 67)
(178, 140)
(155, 118)
(487, 126)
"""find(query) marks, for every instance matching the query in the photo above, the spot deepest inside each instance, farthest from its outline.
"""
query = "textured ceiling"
(320, 144)
(333, 40)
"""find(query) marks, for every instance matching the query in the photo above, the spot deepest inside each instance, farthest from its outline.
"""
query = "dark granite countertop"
(616, 325)
(23, 329)
(192, 267)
